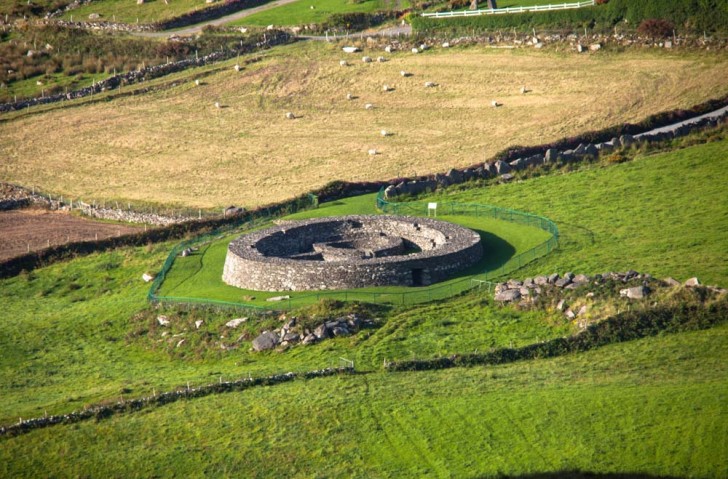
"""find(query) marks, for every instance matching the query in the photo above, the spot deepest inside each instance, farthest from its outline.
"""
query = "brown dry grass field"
(174, 146)
(34, 229)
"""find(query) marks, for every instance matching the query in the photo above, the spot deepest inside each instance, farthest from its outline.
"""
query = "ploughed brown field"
(174, 146)
(34, 228)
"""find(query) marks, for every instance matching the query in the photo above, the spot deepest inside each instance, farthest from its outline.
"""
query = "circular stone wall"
(350, 252)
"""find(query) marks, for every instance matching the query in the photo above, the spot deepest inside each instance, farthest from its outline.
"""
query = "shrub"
(656, 28)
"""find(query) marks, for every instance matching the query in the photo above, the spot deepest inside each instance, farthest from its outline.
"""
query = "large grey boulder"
(501, 167)
(552, 154)
(626, 140)
(267, 340)
(637, 292)
(455, 176)
(561, 283)
(692, 282)
(321, 332)
(508, 296)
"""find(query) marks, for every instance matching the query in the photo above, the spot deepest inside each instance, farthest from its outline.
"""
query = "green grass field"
(200, 274)
(301, 13)
(654, 406)
(129, 12)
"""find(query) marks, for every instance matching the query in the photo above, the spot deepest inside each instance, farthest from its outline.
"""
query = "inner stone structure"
(350, 252)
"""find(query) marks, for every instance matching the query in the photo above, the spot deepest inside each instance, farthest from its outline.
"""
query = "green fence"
(415, 295)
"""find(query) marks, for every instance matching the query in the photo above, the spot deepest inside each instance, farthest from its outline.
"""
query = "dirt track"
(34, 229)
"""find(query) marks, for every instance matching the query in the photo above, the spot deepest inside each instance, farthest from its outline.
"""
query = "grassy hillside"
(666, 214)
(656, 406)
(176, 147)
(70, 337)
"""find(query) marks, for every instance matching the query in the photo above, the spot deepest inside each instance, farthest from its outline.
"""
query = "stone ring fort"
(350, 252)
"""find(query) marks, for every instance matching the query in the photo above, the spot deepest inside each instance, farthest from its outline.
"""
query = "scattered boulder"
(638, 292)
(234, 323)
(309, 339)
(350, 49)
(290, 116)
(671, 282)
(366, 59)
(267, 340)
(562, 305)
(321, 332)
(278, 298)
(508, 295)
(562, 282)
(692, 282)
(163, 320)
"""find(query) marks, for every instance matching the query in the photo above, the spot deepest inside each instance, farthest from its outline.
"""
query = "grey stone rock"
(502, 167)
(637, 292)
(508, 296)
(552, 155)
(570, 314)
(309, 339)
(267, 340)
(514, 284)
(582, 311)
(553, 278)
(570, 275)
(524, 291)
(581, 278)
(519, 164)
(528, 283)
(541, 280)
(455, 176)
(163, 320)
(563, 282)
(562, 305)
(234, 323)
(505, 178)
(591, 150)
(291, 337)
(321, 332)
(580, 150)
(692, 282)
(626, 140)
(672, 282)
(341, 331)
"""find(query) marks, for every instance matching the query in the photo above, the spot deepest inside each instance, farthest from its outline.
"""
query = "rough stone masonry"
(350, 252)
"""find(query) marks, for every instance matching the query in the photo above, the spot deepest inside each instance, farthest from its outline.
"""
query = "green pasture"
(199, 276)
(654, 407)
(301, 13)
(129, 12)
(665, 214)
(71, 336)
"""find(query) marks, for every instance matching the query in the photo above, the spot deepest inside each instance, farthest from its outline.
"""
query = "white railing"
(498, 11)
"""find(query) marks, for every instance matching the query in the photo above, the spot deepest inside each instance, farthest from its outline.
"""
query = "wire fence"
(509, 10)
(483, 280)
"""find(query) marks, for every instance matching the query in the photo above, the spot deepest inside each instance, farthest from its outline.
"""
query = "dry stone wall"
(293, 257)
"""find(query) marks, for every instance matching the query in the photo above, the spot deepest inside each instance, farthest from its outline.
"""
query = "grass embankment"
(200, 274)
(176, 147)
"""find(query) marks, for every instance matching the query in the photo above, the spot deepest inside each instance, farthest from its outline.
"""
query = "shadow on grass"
(582, 475)
(496, 253)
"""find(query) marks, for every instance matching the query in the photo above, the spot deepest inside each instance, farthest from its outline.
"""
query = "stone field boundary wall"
(266, 260)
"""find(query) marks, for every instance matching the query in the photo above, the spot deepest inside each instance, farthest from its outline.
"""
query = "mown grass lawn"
(199, 275)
